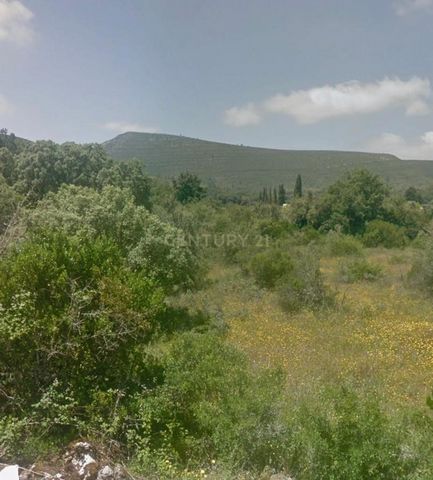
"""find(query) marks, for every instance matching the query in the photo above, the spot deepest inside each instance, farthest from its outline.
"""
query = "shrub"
(412, 216)
(421, 241)
(270, 266)
(71, 311)
(303, 286)
(156, 248)
(421, 273)
(212, 405)
(344, 436)
(276, 228)
(358, 270)
(307, 236)
(381, 233)
(339, 245)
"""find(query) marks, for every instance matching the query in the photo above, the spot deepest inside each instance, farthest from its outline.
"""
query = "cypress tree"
(298, 187)
(282, 197)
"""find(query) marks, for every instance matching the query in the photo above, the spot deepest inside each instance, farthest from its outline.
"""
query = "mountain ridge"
(246, 169)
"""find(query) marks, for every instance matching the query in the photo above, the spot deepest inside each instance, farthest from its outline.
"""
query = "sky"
(302, 74)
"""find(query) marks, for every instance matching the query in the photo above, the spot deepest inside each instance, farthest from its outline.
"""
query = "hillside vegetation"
(242, 169)
(192, 337)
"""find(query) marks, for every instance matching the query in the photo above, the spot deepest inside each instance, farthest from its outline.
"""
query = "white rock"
(106, 473)
(81, 463)
(9, 473)
(280, 476)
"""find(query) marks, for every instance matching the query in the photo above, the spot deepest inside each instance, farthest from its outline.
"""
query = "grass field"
(379, 336)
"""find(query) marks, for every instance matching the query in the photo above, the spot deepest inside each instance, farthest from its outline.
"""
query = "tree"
(282, 196)
(128, 174)
(188, 188)
(351, 202)
(413, 194)
(8, 204)
(7, 165)
(297, 193)
(44, 166)
(150, 245)
(8, 140)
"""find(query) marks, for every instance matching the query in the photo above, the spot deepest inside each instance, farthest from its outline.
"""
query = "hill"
(242, 169)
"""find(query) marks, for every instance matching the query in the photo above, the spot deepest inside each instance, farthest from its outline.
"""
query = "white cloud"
(242, 116)
(405, 7)
(352, 98)
(123, 127)
(5, 106)
(420, 148)
(15, 22)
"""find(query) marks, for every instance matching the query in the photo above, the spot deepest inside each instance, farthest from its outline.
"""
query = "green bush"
(381, 233)
(358, 270)
(71, 311)
(344, 436)
(276, 228)
(303, 286)
(212, 405)
(307, 236)
(421, 241)
(157, 249)
(339, 245)
(270, 266)
(421, 273)
(412, 216)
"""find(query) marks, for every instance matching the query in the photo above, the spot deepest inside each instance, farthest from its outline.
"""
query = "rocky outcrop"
(82, 461)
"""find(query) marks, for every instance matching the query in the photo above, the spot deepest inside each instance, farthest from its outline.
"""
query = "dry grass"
(380, 334)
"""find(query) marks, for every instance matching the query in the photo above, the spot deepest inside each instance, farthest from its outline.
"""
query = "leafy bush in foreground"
(72, 312)
(211, 405)
(347, 437)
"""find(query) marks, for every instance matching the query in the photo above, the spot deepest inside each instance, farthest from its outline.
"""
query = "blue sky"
(310, 74)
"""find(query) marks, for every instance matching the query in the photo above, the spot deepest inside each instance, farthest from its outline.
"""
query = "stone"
(10, 472)
(81, 461)
(280, 476)
(106, 473)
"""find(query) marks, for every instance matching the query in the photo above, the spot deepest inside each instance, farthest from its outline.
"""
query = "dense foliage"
(95, 341)
(188, 188)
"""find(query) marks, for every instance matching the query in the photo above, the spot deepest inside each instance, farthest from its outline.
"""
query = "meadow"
(379, 335)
